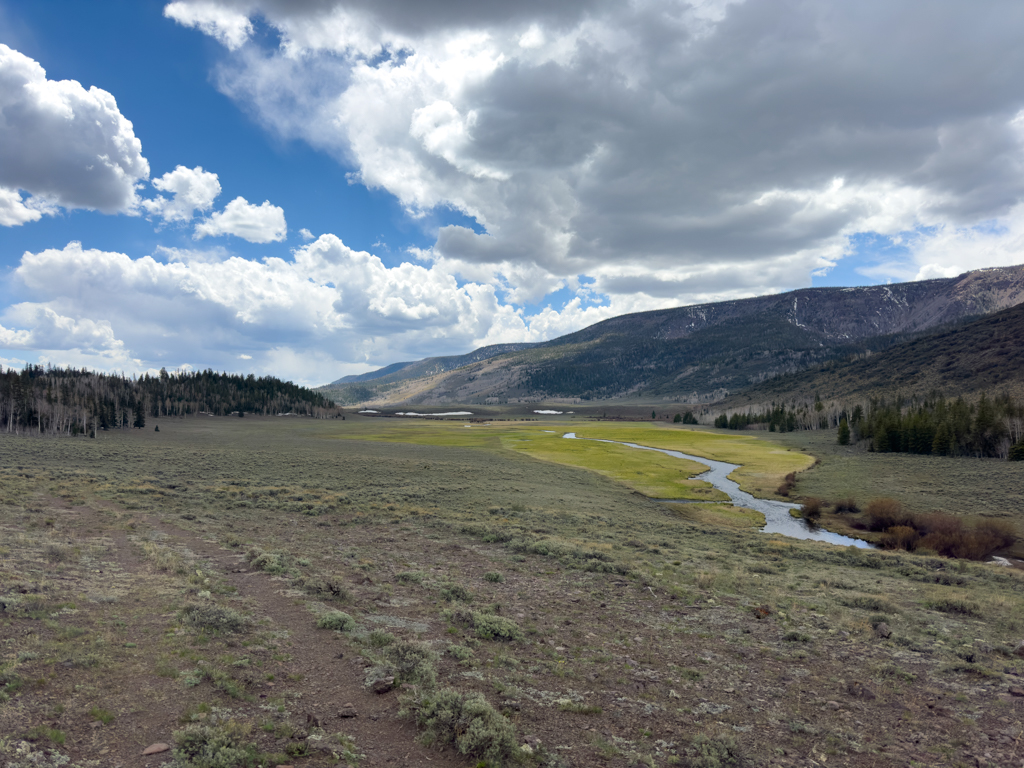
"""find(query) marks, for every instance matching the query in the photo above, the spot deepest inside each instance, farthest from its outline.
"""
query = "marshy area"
(391, 592)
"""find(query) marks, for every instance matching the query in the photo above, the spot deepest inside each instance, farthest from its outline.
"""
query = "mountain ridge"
(700, 353)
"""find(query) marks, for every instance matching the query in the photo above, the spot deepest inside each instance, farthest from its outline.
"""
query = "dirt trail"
(330, 673)
(318, 674)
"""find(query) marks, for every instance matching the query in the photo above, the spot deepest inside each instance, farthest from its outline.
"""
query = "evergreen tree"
(844, 432)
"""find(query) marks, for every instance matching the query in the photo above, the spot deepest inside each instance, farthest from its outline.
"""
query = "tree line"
(68, 401)
(991, 426)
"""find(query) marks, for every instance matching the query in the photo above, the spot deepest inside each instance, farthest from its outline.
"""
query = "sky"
(315, 188)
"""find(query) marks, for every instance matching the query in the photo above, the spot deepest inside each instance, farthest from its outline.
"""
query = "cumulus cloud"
(660, 145)
(256, 223)
(191, 190)
(232, 28)
(329, 311)
(63, 145)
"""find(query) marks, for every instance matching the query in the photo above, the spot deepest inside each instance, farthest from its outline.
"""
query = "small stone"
(533, 741)
(1015, 691)
(882, 630)
(833, 705)
(348, 710)
(156, 749)
(383, 685)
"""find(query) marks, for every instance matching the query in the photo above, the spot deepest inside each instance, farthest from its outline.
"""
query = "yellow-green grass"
(720, 514)
(763, 464)
(652, 474)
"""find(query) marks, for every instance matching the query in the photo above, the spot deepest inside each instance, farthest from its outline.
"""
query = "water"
(776, 513)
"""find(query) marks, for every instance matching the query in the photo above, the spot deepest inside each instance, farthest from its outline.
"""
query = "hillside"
(984, 355)
(701, 353)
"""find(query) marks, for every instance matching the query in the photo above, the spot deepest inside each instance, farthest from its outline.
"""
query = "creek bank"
(776, 513)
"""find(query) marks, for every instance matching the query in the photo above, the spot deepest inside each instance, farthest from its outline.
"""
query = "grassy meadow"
(374, 591)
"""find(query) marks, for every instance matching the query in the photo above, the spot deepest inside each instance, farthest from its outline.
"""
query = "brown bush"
(951, 537)
(787, 485)
(900, 537)
(1002, 531)
(884, 514)
(811, 509)
(847, 505)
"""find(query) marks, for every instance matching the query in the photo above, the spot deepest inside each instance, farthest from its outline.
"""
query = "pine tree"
(844, 432)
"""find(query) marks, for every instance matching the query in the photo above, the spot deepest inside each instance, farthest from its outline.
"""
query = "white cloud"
(256, 223)
(328, 312)
(230, 28)
(64, 145)
(191, 189)
(13, 211)
(658, 148)
(306, 235)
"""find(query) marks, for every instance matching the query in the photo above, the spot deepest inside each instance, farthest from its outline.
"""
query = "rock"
(833, 705)
(156, 749)
(348, 710)
(882, 630)
(1019, 650)
(533, 741)
(1015, 691)
(383, 685)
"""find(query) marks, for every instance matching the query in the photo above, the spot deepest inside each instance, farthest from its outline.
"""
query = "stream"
(776, 513)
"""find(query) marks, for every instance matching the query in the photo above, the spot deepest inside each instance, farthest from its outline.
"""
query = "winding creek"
(776, 513)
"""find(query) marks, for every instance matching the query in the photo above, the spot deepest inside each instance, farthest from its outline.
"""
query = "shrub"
(720, 751)
(486, 626)
(811, 509)
(787, 485)
(955, 606)
(380, 638)
(410, 577)
(497, 578)
(412, 662)
(467, 722)
(338, 620)
(900, 537)
(222, 746)
(847, 505)
(270, 562)
(885, 513)
(213, 618)
(456, 593)
(329, 587)
(459, 652)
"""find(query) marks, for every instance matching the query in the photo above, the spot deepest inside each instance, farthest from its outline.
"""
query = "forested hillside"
(66, 401)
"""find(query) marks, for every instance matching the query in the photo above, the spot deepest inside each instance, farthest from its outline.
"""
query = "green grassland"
(183, 582)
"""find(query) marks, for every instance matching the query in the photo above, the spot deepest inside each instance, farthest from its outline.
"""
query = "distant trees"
(67, 401)
(992, 426)
(936, 426)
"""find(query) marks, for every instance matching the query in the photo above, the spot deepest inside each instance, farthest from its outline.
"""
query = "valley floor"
(188, 581)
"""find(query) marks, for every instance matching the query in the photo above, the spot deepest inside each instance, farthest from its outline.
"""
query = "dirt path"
(125, 608)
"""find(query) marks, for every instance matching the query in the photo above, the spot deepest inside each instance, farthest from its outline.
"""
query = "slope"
(702, 353)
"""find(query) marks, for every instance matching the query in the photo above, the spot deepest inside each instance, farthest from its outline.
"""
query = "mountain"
(985, 355)
(428, 366)
(704, 352)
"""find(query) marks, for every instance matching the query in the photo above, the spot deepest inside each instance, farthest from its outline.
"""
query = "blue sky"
(398, 179)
